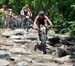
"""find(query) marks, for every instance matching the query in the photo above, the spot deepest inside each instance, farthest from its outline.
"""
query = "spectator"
(6, 15)
(10, 18)
(15, 20)
(2, 11)
(19, 20)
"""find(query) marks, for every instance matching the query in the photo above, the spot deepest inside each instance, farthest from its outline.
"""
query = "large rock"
(15, 58)
(67, 64)
(73, 65)
(9, 42)
(63, 36)
(20, 51)
(55, 40)
(60, 52)
(51, 33)
(22, 63)
(16, 37)
(4, 62)
(7, 33)
(19, 31)
(69, 41)
(6, 42)
(45, 64)
(28, 59)
(22, 41)
(65, 59)
(4, 54)
(32, 31)
(5, 48)
(32, 36)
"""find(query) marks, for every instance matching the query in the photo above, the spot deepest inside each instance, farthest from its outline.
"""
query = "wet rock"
(4, 54)
(60, 52)
(32, 37)
(33, 31)
(63, 36)
(22, 41)
(67, 64)
(54, 41)
(51, 33)
(6, 42)
(28, 59)
(4, 62)
(7, 33)
(65, 59)
(15, 58)
(70, 50)
(20, 51)
(50, 49)
(45, 64)
(22, 63)
(16, 37)
(69, 44)
(69, 41)
(19, 32)
(9, 42)
(73, 65)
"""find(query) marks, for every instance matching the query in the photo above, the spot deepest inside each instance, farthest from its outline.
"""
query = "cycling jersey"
(25, 13)
(44, 21)
(41, 21)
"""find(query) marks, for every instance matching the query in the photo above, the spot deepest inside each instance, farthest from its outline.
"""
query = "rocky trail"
(17, 49)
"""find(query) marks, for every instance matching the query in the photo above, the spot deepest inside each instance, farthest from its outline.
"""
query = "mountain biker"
(10, 18)
(25, 12)
(41, 18)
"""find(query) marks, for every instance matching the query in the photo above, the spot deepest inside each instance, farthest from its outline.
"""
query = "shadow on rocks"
(54, 41)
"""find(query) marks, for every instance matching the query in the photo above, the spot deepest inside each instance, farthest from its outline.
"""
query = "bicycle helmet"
(41, 13)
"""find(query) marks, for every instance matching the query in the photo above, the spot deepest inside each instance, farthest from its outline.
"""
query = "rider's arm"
(48, 20)
(30, 13)
(35, 22)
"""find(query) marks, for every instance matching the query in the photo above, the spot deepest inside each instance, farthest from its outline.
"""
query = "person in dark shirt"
(41, 18)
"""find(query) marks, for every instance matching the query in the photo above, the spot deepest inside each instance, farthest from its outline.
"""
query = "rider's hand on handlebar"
(51, 26)
(35, 27)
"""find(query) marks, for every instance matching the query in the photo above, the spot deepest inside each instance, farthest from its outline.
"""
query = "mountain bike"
(41, 44)
(27, 22)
